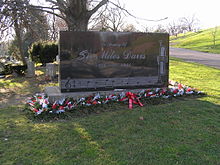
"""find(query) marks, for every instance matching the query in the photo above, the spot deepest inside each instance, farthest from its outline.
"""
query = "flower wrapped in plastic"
(39, 103)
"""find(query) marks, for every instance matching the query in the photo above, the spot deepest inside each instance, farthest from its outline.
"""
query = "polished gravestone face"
(92, 61)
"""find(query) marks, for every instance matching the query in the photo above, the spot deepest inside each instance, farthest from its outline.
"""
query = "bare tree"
(160, 29)
(110, 19)
(13, 14)
(190, 23)
(114, 19)
(76, 13)
(129, 28)
(214, 32)
(175, 28)
(56, 24)
(16, 15)
(172, 28)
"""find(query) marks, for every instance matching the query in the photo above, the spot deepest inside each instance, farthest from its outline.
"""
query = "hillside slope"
(200, 41)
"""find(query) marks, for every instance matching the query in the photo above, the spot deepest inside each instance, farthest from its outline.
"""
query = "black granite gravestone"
(91, 61)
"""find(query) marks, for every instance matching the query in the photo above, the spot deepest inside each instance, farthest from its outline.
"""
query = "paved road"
(195, 56)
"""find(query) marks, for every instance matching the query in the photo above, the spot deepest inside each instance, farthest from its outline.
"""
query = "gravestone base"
(54, 93)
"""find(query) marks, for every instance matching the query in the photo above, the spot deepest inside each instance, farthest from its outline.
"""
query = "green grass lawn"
(185, 131)
(200, 41)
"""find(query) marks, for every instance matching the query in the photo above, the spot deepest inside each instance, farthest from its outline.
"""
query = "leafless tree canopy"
(17, 15)
(129, 28)
(184, 24)
(76, 13)
(189, 22)
(110, 18)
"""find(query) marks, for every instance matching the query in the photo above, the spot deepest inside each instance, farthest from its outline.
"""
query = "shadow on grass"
(179, 132)
(15, 90)
(183, 131)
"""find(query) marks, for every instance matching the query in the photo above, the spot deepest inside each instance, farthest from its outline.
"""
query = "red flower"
(94, 102)
(188, 89)
(163, 91)
(61, 107)
(54, 106)
(175, 91)
(35, 110)
(70, 105)
(180, 86)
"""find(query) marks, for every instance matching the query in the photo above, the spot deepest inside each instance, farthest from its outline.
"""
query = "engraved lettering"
(110, 55)
(68, 84)
(82, 55)
(129, 55)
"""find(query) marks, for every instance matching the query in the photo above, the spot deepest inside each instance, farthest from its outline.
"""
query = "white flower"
(39, 112)
(60, 111)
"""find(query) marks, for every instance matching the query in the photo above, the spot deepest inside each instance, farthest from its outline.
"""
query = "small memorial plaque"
(91, 61)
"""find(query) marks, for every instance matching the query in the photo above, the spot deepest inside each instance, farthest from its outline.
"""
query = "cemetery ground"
(183, 131)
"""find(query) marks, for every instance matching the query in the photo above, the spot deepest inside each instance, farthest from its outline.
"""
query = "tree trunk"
(77, 14)
(20, 43)
(78, 25)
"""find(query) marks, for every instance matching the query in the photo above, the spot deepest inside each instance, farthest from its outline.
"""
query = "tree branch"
(41, 8)
(51, 1)
(103, 2)
(126, 11)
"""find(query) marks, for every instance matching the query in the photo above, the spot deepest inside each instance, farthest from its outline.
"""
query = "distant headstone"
(2, 68)
(30, 68)
(2, 71)
(57, 59)
(50, 70)
(101, 61)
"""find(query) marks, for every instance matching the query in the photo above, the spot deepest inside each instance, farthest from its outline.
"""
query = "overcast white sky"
(207, 11)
